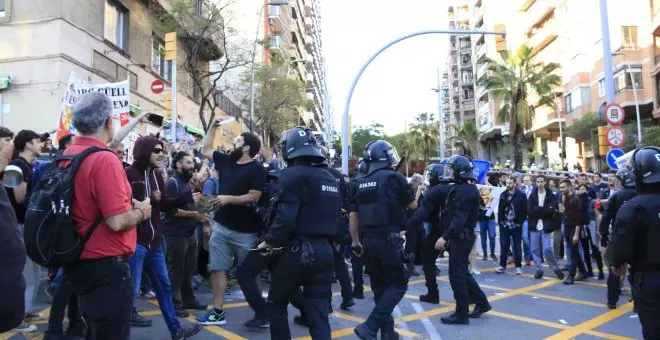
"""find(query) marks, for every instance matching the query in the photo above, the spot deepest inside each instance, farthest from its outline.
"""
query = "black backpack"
(50, 236)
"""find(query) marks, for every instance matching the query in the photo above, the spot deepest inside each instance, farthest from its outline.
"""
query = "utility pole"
(607, 52)
(170, 54)
(441, 140)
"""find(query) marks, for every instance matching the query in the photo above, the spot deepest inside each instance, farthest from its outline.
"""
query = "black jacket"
(547, 213)
(612, 207)
(519, 203)
(12, 262)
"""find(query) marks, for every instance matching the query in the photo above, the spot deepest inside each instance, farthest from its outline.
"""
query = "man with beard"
(236, 222)
(147, 182)
(180, 226)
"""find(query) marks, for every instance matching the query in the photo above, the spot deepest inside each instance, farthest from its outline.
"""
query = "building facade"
(568, 32)
(460, 73)
(101, 41)
(294, 32)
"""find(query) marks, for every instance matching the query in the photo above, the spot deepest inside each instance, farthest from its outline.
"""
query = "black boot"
(479, 310)
(454, 319)
(432, 297)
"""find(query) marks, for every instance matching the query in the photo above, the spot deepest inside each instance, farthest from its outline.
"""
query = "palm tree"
(424, 133)
(512, 82)
(466, 136)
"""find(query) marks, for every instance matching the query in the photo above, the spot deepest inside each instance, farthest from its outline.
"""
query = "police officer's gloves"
(604, 240)
(306, 253)
(357, 250)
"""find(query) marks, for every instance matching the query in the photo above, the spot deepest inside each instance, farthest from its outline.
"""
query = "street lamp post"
(607, 52)
(344, 132)
(441, 134)
(254, 53)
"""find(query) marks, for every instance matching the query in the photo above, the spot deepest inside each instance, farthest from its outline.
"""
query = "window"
(294, 15)
(601, 88)
(159, 65)
(628, 37)
(468, 93)
(623, 80)
(116, 24)
(2, 8)
(199, 8)
(577, 98)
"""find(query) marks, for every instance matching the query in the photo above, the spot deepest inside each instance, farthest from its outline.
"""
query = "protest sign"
(119, 93)
(491, 196)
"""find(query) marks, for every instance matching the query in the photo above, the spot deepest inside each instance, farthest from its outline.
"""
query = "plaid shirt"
(510, 215)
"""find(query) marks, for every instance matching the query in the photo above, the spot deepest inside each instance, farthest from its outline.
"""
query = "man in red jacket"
(147, 182)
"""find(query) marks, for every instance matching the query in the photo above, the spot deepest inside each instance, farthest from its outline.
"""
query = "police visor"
(393, 156)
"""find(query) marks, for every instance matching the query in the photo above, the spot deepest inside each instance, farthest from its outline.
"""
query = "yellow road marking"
(219, 331)
(608, 336)
(356, 319)
(593, 323)
(5, 336)
(522, 290)
(563, 299)
(585, 283)
(528, 320)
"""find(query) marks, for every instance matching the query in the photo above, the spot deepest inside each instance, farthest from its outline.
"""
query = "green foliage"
(467, 135)
(513, 81)
(336, 143)
(278, 98)
(650, 136)
(582, 129)
(202, 38)
(362, 135)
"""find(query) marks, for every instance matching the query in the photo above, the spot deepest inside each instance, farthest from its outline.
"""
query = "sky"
(397, 85)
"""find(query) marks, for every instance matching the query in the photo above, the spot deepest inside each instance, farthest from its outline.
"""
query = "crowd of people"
(177, 215)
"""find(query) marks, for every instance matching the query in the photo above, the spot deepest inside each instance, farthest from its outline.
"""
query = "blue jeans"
(487, 227)
(506, 235)
(58, 278)
(154, 265)
(527, 254)
(541, 242)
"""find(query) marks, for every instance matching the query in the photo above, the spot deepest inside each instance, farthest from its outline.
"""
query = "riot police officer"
(357, 264)
(616, 201)
(635, 237)
(305, 221)
(430, 211)
(382, 194)
(462, 211)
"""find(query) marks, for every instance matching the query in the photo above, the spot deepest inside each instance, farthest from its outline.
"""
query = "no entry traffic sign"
(616, 137)
(614, 114)
(157, 86)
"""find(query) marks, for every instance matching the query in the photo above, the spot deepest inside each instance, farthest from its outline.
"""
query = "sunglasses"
(158, 151)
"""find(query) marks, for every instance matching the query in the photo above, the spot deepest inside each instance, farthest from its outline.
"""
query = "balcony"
(480, 51)
(276, 44)
(276, 18)
(544, 31)
(466, 64)
(465, 46)
(468, 104)
(308, 11)
(310, 82)
(468, 79)
(477, 14)
(309, 43)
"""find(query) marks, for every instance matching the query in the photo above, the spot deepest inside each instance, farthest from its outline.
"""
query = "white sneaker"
(25, 328)
(519, 271)
(500, 270)
(475, 272)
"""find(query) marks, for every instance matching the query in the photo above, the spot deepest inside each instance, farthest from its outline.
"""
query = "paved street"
(523, 308)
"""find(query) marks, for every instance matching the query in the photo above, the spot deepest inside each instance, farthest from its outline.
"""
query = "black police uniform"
(462, 212)
(305, 221)
(357, 265)
(430, 211)
(381, 196)
(255, 262)
(635, 237)
(614, 203)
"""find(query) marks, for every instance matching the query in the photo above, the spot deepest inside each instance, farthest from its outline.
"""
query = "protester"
(512, 213)
(12, 250)
(102, 275)
(235, 225)
(147, 182)
(571, 208)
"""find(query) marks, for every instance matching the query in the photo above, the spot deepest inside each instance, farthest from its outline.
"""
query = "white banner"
(491, 196)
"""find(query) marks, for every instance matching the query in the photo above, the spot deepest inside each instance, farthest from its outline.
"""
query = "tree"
(278, 99)
(582, 129)
(336, 143)
(424, 132)
(650, 136)
(466, 136)
(204, 37)
(514, 82)
(362, 135)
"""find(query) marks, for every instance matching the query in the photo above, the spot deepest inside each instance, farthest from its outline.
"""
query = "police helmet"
(459, 167)
(626, 177)
(300, 142)
(435, 174)
(645, 164)
(380, 154)
(361, 168)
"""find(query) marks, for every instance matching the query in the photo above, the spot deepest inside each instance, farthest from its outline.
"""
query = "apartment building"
(490, 15)
(294, 32)
(101, 41)
(460, 76)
